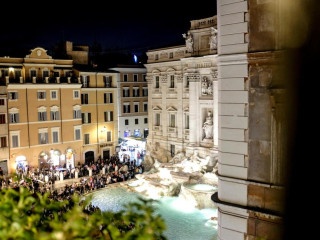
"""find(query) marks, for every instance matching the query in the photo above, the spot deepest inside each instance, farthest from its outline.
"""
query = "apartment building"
(4, 147)
(133, 101)
(99, 97)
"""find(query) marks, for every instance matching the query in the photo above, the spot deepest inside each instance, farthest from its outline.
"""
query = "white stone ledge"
(234, 28)
(225, 2)
(233, 122)
(233, 7)
(232, 109)
(232, 192)
(233, 171)
(234, 49)
(232, 84)
(231, 159)
(233, 97)
(231, 19)
(233, 147)
(232, 39)
(233, 71)
(231, 134)
(234, 223)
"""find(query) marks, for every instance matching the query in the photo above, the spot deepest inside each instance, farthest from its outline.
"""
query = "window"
(42, 116)
(145, 92)
(145, 120)
(157, 120)
(56, 74)
(145, 107)
(84, 98)
(76, 94)
(2, 102)
(45, 74)
(156, 57)
(125, 77)
(136, 121)
(126, 108)
(33, 73)
(53, 94)
(43, 138)
(187, 121)
(107, 81)
(3, 142)
(136, 92)
(55, 136)
(54, 115)
(17, 74)
(86, 138)
(86, 117)
(172, 120)
(171, 81)
(109, 136)
(2, 118)
(172, 150)
(15, 140)
(135, 77)
(171, 55)
(157, 82)
(108, 98)
(126, 92)
(13, 95)
(14, 117)
(126, 122)
(108, 116)
(144, 77)
(136, 107)
(187, 82)
(77, 133)
(85, 81)
(41, 95)
(77, 113)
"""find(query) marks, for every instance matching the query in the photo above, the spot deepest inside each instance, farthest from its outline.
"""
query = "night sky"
(122, 26)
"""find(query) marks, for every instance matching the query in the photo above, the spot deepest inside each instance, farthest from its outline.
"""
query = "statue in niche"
(206, 86)
(214, 39)
(208, 127)
(189, 42)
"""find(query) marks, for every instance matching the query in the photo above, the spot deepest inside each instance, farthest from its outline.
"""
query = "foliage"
(24, 215)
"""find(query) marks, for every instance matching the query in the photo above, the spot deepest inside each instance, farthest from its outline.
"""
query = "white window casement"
(157, 82)
(42, 113)
(145, 91)
(76, 94)
(13, 96)
(86, 138)
(126, 92)
(107, 81)
(126, 107)
(54, 113)
(41, 95)
(136, 92)
(108, 116)
(53, 94)
(15, 139)
(171, 82)
(157, 116)
(135, 77)
(77, 133)
(85, 81)
(86, 117)
(55, 134)
(76, 111)
(14, 115)
(43, 136)
(136, 107)
(109, 136)
(172, 117)
(108, 98)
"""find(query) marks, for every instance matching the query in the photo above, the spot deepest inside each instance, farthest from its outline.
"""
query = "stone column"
(193, 108)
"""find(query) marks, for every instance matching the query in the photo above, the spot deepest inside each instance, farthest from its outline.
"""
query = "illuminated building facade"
(4, 147)
(99, 110)
(133, 101)
(183, 99)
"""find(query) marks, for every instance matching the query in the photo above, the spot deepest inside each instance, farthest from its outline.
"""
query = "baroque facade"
(182, 83)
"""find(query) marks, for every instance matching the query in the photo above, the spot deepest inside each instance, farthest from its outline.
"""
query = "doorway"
(89, 157)
(106, 154)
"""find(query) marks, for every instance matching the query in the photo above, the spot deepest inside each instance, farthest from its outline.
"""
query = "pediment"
(171, 109)
(157, 108)
(39, 52)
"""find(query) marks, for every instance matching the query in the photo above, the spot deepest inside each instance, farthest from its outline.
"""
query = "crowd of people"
(43, 180)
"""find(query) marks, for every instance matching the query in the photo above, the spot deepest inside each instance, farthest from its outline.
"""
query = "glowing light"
(135, 58)
(183, 205)
(11, 69)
